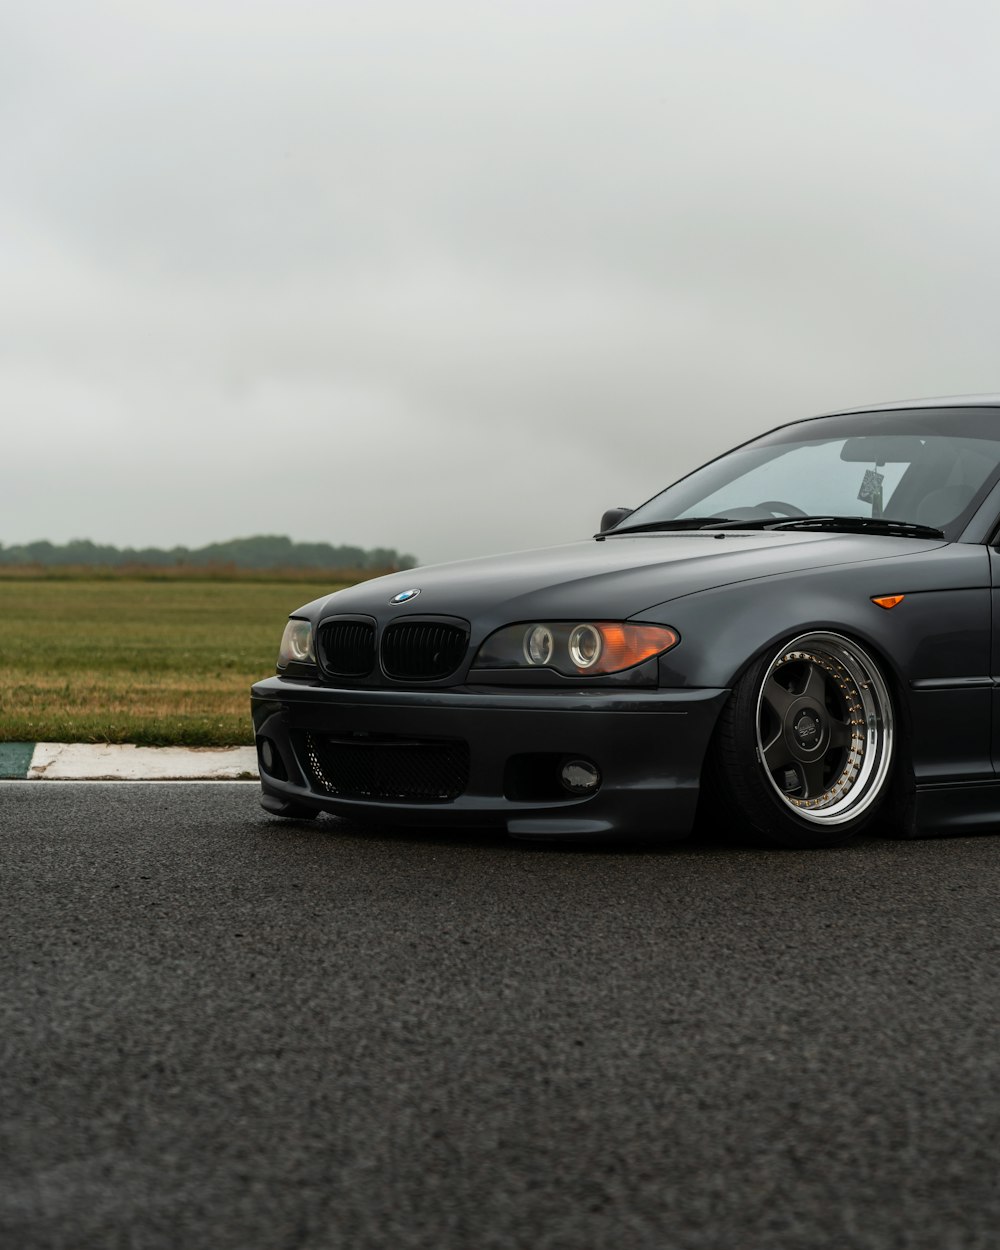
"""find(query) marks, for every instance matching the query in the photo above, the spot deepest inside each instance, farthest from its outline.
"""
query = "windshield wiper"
(833, 524)
(844, 524)
(681, 523)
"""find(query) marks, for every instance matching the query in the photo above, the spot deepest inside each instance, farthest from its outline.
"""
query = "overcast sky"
(454, 277)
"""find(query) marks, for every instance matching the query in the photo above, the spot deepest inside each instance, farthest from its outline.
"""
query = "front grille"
(393, 770)
(347, 648)
(423, 650)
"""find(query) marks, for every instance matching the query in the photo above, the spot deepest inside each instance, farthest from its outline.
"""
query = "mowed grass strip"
(155, 663)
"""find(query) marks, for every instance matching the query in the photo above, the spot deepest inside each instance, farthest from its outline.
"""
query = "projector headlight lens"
(538, 645)
(585, 646)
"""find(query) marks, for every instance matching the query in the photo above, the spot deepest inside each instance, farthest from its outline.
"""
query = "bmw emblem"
(404, 596)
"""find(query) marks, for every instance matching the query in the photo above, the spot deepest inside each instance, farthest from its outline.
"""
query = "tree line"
(263, 551)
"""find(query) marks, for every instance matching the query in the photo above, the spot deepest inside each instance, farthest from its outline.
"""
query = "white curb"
(65, 761)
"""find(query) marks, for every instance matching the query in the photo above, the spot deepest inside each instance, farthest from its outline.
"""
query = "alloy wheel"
(824, 728)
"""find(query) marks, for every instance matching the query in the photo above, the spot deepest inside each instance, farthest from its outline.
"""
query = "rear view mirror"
(612, 517)
(882, 449)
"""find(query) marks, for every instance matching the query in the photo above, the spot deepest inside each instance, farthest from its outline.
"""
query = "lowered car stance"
(797, 638)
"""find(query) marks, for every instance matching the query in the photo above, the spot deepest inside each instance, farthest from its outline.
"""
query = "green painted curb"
(15, 759)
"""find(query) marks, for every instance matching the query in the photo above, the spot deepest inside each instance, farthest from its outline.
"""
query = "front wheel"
(804, 748)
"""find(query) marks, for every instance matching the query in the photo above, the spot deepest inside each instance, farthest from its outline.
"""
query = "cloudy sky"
(454, 276)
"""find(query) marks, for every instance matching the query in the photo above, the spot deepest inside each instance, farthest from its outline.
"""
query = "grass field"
(153, 662)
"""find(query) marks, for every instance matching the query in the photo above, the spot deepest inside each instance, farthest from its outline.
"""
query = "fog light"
(580, 776)
(271, 762)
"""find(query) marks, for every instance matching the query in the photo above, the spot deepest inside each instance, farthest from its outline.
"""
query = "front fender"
(936, 645)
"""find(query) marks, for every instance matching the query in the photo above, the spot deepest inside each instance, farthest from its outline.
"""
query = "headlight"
(296, 645)
(538, 645)
(587, 648)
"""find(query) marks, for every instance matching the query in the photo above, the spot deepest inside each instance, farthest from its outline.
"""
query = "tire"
(804, 749)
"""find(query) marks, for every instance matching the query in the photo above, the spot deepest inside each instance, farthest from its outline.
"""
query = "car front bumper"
(649, 748)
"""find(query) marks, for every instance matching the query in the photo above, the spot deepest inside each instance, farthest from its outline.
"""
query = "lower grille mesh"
(393, 770)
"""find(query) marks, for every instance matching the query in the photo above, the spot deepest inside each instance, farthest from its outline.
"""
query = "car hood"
(615, 578)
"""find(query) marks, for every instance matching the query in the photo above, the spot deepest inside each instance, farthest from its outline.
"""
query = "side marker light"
(887, 601)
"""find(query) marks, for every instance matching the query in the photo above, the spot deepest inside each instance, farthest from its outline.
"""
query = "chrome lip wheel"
(824, 728)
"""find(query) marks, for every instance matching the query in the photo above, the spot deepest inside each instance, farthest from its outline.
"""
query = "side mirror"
(612, 517)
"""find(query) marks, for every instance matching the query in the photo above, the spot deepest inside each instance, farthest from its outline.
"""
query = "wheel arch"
(898, 810)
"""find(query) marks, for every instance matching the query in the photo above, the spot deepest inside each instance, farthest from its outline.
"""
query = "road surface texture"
(218, 1029)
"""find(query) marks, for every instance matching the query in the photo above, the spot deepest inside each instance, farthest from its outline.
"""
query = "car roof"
(943, 401)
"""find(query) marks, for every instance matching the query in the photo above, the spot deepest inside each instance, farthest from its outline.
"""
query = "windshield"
(927, 468)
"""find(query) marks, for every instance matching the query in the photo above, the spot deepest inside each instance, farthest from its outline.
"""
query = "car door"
(995, 657)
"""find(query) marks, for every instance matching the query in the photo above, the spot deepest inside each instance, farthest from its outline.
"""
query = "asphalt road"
(222, 1030)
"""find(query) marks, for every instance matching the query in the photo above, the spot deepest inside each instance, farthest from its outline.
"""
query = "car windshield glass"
(923, 470)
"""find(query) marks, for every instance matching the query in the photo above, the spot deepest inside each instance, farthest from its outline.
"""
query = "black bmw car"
(797, 637)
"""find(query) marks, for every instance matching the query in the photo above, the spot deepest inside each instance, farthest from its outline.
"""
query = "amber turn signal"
(627, 645)
(887, 601)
